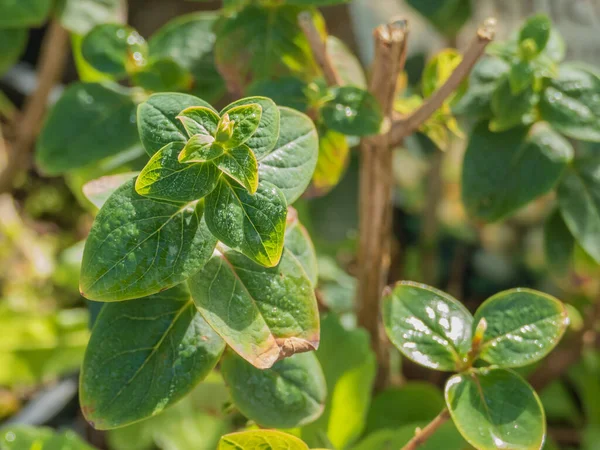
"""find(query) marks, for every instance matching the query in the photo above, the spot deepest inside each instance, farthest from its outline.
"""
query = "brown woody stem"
(319, 49)
(53, 58)
(421, 436)
(405, 126)
(375, 193)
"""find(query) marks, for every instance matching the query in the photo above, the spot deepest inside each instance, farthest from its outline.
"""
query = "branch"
(375, 193)
(319, 49)
(53, 57)
(405, 126)
(421, 436)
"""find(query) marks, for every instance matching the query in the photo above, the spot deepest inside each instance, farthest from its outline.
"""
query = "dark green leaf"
(200, 148)
(114, 49)
(252, 224)
(571, 104)
(291, 163)
(246, 119)
(12, 45)
(88, 123)
(388, 408)
(504, 171)
(189, 41)
(80, 16)
(27, 437)
(157, 119)
(254, 439)
(496, 408)
(240, 164)
(138, 246)
(23, 13)
(273, 45)
(265, 137)
(448, 16)
(162, 75)
(511, 110)
(199, 120)
(352, 111)
(349, 366)
(285, 91)
(521, 77)
(165, 178)
(446, 437)
(523, 326)
(143, 356)
(559, 243)
(264, 314)
(298, 242)
(579, 203)
(428, 326)
(289, 394)
(538, 29)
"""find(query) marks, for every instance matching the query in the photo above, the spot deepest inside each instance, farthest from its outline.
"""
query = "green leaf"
(496, 408)
(114, 49)
(485, 76)
(579, 203)
(138, 246)
(264, 138)
(158, 124)
(86, 72)
(448, 16)
(349, 367)
(346, 63)
(253, 224)
(24, 13)
(88, 123)
(200, 148)
(27, 437)
(289, 394)
(388, 408)
(285, 91)
(80, 16)
(162, 75)
(264, 439)
(352, 111)
(428, 326)
(299, 244)
(273, 45)
(438, 70)
(12, 45)
(99, 190)
(240, 164)
(445, 437)
(264, 314)
(559, 243)
(246, 119)
(497, 172)
(165, 178)
(538, 29)
(143, 356)
(521, 77)
(523, 326)
(189, 40)
(571, 103)
(291, 163)
(334, 154)
(199, 120)
(511, 110)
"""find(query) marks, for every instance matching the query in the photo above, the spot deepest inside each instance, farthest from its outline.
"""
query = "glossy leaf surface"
(427, 326)
(240, 164)
(253, 224)
(496, 408)
(144, 355)
(88, 123)
(291, 163)
(246, 120)
(157, 119)
(352, 111)
(139, 246)
(23, 13)
(509, 109)
(165, 178)
(200, 148)
(199, 120)
(504, 171)
(559, 243)
(289, 394)
(261, 439)
(262, 313)
(299, 244)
